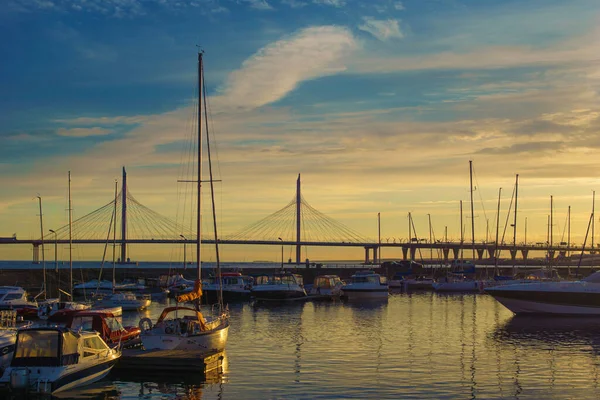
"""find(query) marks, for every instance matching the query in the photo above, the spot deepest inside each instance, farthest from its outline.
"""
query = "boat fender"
(145, 324)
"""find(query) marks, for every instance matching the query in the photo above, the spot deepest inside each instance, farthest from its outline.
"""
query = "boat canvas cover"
(193, 295)
(45, 347)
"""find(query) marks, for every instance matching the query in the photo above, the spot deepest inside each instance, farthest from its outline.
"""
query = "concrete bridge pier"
(491, 251)
(562, 253)
(551, 254)
(524, 254)
(405, 253)
(456, 253)
(367, 255)
(36, 254)
(413, 251)
(480, 254)
(446, 251)
(376, 255)
(513, 255)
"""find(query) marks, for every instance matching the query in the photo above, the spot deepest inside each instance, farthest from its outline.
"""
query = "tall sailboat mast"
(70, 242)
(472, 212)
(515, 223)
(497, 231)
(199, 174)
(44, 290)
(212, 196)
(114, 278)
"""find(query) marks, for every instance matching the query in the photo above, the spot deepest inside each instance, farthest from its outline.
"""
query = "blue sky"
(378, 104)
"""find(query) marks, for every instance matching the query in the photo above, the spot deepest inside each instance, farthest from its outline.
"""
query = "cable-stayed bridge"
(124, 221)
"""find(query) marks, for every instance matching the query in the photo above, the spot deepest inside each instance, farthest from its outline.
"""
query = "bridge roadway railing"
(450, 250)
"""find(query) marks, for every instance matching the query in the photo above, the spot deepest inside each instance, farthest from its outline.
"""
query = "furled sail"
(193, 295)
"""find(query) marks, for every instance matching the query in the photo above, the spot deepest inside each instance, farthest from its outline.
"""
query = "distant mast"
(298, 204)
(124, 218)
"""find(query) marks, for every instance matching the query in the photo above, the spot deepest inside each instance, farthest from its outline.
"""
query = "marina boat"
(458, 284)
(326, 287)
(184, 328)
(551, 297)
(52, 359)
(93, 286)
(105, 323)
(406, 283)
(52, 307)
(127, 301)
(281, 286)
(366, 285)
(173, 328)
(234, 285)
(8, 336)
(15, 298)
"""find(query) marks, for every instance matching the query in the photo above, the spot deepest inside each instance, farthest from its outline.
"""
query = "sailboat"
(459, 279)
(186, 328)
(51, 307)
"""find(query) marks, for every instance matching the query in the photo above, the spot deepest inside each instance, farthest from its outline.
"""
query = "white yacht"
(234, 286)
(281, 286)
(326, 287)
(93, 286)
(184, 328)
(126, 300)
(51, 307)
(366, 285)
(551, 297)
(15, 298)
(52, 359)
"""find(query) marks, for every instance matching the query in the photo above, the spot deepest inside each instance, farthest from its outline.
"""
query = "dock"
(169, 361)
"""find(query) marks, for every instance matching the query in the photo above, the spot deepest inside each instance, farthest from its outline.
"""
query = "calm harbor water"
(419, 345)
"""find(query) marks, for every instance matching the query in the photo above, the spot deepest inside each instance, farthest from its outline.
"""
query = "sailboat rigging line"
(212, 197)
(114, 241)
(508, 216)
(110, 225)
(584, 242)
(70, 241)
(479, 192)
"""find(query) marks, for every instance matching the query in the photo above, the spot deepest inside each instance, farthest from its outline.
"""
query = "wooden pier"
(169, 361)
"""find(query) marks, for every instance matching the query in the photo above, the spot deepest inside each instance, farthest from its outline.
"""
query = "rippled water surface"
(420, 345)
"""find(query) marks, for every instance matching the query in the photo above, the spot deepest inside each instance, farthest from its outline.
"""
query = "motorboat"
(51, 307)
(366, 285)
(47, 360)
(184, 328)
(326, 287)
(234, 285)
(8, 336)
(105, 323)
(455, 283)
(93, 286)
(281, 286)
(551, 297)
(15, 298)
(126, 300)
(460, 279)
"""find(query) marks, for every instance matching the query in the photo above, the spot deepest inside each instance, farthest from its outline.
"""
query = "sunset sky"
(379, 105)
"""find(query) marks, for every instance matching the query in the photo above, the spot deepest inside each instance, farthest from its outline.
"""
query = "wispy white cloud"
(294, 3)
(333, 3)
(259, 4)
(280, 67)
(84, 132)
(382, 29)
(398, 5)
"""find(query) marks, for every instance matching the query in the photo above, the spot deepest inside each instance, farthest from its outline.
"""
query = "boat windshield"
(43, 348)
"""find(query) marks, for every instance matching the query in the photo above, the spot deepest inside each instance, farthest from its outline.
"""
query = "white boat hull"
(214, 340)
(564, 298)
